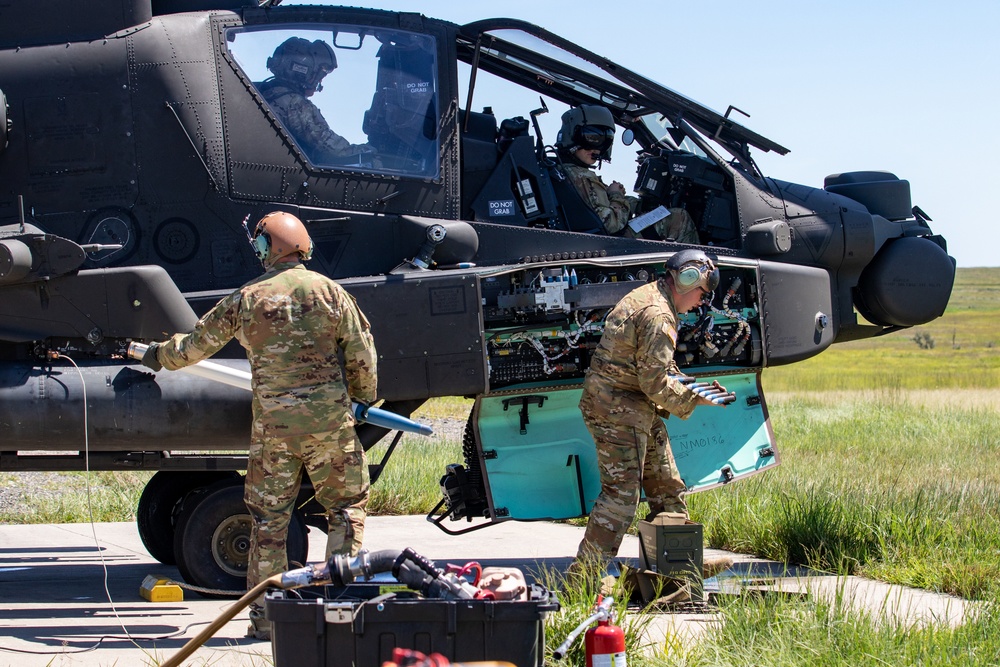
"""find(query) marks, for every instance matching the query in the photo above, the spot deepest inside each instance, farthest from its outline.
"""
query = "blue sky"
(907, 87)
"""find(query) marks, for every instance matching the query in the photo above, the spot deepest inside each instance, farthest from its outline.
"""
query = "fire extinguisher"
(604, 644)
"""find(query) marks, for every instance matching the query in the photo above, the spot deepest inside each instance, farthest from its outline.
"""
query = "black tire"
(212, 541)
(160, 503)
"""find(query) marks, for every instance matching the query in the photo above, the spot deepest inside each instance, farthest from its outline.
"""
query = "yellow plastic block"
(160, 590)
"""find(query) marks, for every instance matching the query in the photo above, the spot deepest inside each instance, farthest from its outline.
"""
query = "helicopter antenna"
(20, 211)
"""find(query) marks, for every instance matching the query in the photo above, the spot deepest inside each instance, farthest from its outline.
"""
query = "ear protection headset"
(691, 269)
(261, 245)
(279, 234)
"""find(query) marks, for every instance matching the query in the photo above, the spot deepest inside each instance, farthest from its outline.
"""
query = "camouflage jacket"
(636, 352)
(613, 209)
(306, 123)
(293, 323)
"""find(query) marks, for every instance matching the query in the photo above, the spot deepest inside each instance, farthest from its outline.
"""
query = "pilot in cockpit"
(299, 67)
(585, 138)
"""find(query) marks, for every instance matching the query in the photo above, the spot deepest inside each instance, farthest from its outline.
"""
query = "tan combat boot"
(260, 627)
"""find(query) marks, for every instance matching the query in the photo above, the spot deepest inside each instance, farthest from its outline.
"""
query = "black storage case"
(322, 632)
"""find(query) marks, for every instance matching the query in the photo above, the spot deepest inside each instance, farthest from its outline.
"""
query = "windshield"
(525, 101)
(349, 97)
(544, 62)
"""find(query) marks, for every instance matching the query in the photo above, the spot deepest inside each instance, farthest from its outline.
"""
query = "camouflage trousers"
(336, 464)
(678, 226)
(633, 453)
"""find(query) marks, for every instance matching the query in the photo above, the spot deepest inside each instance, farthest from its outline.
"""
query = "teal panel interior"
(537, 474)
(550, 470)
(732, 437)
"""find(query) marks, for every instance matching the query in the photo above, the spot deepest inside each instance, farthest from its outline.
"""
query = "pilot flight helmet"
(587, 126)
(305, 63)
(693, 268)
(278, 235)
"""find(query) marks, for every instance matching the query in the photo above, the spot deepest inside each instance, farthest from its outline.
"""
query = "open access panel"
(528, 454)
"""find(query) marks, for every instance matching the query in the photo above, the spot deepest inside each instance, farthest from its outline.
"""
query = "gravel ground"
(19, 489)
(446, 428)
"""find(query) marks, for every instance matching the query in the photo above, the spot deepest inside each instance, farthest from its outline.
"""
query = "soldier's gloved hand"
(149, 359)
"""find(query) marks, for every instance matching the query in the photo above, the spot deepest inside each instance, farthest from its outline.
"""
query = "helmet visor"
(595, 137)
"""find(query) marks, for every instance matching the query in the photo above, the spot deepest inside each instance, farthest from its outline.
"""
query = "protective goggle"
(595, 137)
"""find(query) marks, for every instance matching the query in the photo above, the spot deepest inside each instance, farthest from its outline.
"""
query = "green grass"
(411, 481)
(577, 596)
(878, 487)
(63, 497)
(780, 632)
(966, 352)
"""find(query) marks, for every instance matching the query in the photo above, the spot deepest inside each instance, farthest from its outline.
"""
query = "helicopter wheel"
(159, 504)
(212, 541)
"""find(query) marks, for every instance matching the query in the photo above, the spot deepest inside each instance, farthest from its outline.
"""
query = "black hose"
(344, 570)
(407, 566)
(424, 564)
(382, 561)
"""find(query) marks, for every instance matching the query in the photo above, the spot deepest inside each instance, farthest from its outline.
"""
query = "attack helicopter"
(136, 140)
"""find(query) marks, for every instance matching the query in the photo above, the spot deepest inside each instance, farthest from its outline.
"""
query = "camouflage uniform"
(626, 386)
(615, 210)
(678, 226)
(293, 322)
(306, 123)
(612, 208)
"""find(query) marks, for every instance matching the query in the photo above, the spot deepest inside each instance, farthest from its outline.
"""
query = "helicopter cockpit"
(512, 177)
(313, 81)
(309, 76)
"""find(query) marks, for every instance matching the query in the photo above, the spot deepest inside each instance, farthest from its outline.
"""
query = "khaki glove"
(149, 359)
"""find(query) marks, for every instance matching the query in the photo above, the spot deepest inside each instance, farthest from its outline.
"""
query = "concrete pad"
(54, 607)
(882, 603)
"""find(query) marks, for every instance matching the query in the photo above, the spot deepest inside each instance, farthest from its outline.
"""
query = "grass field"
(876, 485)
(889, 456)
(889, 469)
(965, 353)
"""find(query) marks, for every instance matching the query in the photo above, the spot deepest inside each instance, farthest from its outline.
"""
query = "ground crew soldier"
(299, 67)
(586, 136)
(293, 323)
(628, 384)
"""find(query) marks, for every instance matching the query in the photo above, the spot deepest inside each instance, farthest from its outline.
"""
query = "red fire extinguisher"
(604, 644)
